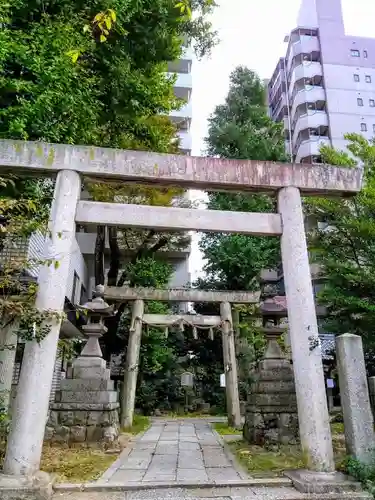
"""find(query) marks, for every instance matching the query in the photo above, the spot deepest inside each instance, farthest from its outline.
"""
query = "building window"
(359, 101)
(368, 79)
(355, 53)
(363, 127)
(365, 55)
(356, 78)
(372, 103)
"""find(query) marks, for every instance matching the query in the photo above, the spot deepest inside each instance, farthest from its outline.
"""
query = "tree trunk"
(114, 265)
(99, 255)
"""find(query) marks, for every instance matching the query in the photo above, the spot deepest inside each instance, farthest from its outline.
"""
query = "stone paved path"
(175, 452)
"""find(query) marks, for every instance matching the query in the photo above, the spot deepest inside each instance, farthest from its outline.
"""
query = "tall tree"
(95, 72)
(241, 129)
(343, 244)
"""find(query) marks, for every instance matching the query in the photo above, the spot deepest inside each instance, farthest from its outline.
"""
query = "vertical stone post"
(355, 401)
(29, 417)
(230, 366)
(315, 433)
(131, 365)
(8, 346)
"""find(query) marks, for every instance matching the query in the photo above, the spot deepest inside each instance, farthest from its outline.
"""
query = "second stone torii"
(224, 321)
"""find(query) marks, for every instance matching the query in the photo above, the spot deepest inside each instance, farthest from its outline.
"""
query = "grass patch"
(337, 428)
(223, 429)
(261, 462)
(140, 424)
(75, 465)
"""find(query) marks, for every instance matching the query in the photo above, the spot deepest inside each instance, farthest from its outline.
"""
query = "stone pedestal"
(271, 413)
(88, 408)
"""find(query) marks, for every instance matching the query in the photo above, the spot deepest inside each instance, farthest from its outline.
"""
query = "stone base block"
(271, 428)
(68, 426)
(312, 482)
(38, 487)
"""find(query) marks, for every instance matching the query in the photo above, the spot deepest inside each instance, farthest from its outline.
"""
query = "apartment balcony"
(305, 44)
(308, 70)
(280, 106)
(183, 85)
(309, 94)
(310, 120)
(310, 148)
(186, 141)
(182, 65)
(185, 113)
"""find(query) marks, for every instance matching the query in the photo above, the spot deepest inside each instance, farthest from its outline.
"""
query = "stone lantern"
(97, 310)
(89, 406)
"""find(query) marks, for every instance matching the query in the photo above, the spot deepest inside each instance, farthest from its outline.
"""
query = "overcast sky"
(251, 33)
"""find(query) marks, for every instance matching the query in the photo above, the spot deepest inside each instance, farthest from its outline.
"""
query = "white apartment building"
(183, 89)
(324, 86)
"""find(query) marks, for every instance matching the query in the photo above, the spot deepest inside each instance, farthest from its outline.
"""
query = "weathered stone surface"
(272, 399)
(185, 171)
(94, 372)
(77, 434)
(66, 418)
(271, 413)
(85, 406)
(80, 417)
(80, 385)
(110, 434)
(355, 401)
(61, 435)
(94, 434)
(95, 417)
(49, 433)
(90, 397)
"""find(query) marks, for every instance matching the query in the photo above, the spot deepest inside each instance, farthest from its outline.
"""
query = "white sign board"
(222, 380)
(330, 383)
(187, 379)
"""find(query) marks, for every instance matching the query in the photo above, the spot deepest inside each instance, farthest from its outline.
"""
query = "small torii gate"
(224, 321)
(286, 181)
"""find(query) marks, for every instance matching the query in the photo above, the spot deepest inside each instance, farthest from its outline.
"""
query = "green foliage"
(223, 429)
(149, 272)
(343, 245)
(60, 83)
(140, 424)
(241, 129)
(364, 473)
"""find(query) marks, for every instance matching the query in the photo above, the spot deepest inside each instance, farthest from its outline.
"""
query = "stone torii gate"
(287, 182)
(224, 321)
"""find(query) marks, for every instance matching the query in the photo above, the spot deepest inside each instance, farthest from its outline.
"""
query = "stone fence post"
(355, 401)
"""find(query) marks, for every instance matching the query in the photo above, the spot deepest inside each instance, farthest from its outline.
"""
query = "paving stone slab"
(133, 463)
(192, 475)
(188, 446)
(127, 476)
(222, 474)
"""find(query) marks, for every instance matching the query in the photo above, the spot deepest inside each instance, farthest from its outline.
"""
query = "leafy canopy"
(343, 244)
(241, 129)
